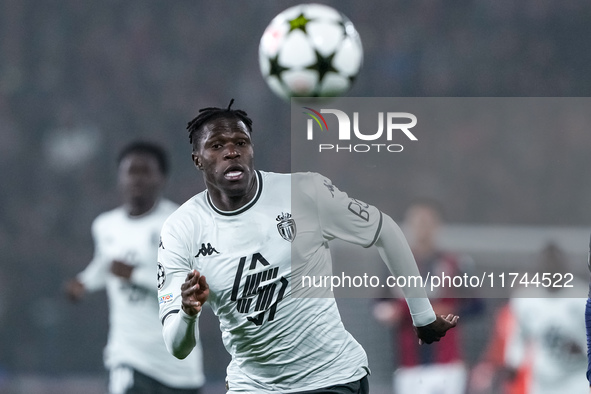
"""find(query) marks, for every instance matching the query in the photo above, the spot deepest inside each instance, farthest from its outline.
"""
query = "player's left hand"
(121, 269)
(435, 331)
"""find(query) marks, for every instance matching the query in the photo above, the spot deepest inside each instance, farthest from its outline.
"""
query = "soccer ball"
(310, 50)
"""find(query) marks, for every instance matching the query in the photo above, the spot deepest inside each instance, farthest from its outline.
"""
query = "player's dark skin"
(225, 156)
(140, 181)
(435, 331)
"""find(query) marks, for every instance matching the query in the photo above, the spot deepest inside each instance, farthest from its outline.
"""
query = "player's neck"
(228, 202)
(224, 202)
(139, 207)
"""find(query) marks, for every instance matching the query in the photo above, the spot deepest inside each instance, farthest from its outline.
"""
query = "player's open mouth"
(233, 175)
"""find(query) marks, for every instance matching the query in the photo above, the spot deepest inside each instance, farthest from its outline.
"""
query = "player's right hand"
(74, 289)
(194, 292)
(121, 269)
(433, 332)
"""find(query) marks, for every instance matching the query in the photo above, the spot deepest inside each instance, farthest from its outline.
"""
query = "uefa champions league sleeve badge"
(161, 276)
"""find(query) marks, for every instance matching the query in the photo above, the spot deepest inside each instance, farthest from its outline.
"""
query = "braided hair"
(195, 126)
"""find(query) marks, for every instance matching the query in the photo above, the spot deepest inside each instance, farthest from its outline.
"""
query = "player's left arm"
(357, 222)
(396, 254)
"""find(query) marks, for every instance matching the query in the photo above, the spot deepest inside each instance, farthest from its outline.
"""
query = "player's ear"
(196, 161)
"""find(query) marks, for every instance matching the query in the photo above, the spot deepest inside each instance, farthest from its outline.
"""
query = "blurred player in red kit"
(439, 368)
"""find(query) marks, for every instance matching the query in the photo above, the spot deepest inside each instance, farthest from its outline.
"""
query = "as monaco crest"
(286, 226)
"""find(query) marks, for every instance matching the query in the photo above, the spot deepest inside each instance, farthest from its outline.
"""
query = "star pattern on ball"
(275, 68)
(323, 65)
(310, 50)
(299, 22)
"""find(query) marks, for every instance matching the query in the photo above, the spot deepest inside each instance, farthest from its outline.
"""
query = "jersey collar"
(259, 180)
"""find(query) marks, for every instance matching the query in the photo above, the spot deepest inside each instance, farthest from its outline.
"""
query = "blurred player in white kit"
(125, 263)
(551, 326)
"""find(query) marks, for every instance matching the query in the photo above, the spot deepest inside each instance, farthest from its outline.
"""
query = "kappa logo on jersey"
(206, 250)
(286, 226)
(161, 245)
(260, 293)
(161, 276)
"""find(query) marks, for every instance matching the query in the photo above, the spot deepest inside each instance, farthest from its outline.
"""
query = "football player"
(243, 244)
(125, 261)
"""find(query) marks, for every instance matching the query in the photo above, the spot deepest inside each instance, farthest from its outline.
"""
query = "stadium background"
(79, 79)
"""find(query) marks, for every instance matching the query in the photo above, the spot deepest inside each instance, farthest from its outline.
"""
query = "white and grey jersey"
(135, 333)
(278, 342)
(550, 335)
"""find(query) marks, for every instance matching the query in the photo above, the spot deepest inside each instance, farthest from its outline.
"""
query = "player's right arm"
(181, 292)
(93, 277)
(181, 332)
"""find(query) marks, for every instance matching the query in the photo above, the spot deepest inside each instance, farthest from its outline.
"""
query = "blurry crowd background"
(79, 79)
